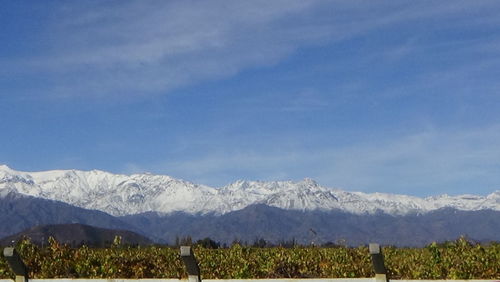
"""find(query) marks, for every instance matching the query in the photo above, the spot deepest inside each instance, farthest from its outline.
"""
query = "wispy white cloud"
(424, 163)
(305, 100)
(143, 47)
(156, 46)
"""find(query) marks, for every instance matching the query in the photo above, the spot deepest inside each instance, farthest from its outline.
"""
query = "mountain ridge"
(277, 225)
(19, 212)
(120, 194)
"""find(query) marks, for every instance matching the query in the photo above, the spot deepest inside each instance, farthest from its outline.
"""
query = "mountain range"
(163, 207)
(121, 195)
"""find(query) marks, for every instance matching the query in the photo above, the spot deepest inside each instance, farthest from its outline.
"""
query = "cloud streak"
(136, 48)
(423, 164)
(149, 47)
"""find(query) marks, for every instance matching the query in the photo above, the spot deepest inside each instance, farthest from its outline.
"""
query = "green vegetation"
(459, 259)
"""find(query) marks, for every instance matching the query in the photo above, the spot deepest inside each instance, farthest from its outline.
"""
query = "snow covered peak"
(4, 167)
(116, 194)
(120, 194)
(5, 170)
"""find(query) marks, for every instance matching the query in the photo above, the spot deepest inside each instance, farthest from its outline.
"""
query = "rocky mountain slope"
(19, 212)
(318, 227)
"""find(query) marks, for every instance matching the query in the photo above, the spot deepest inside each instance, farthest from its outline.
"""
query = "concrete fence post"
(378, 263)
(191, 264)
(16, 264)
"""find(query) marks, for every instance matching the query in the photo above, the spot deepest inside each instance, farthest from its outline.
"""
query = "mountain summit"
(119, 194)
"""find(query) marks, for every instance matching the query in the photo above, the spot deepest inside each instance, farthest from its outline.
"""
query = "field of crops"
(453, 260)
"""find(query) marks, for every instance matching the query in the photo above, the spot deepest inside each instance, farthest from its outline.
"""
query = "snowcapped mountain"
(119, 194)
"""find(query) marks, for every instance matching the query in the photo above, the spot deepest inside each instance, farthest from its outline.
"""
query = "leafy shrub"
(458, 259)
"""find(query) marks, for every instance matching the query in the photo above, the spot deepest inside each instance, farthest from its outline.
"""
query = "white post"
(16, 264)
(191, 264)
(378, 263)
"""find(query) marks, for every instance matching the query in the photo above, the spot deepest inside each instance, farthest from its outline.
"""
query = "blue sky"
(374, 96)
